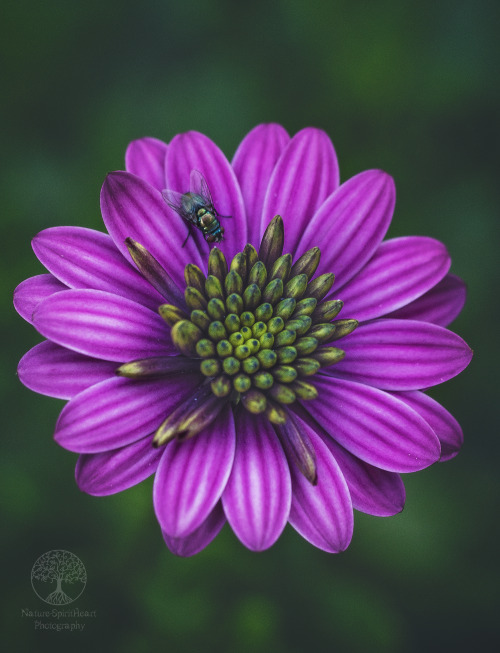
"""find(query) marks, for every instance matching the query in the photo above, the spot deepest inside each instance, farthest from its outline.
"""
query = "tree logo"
(65, 570)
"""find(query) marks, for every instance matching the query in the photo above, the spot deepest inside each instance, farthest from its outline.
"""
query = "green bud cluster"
(258, 327)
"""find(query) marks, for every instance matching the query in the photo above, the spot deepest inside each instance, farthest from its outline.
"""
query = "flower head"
(276, 377)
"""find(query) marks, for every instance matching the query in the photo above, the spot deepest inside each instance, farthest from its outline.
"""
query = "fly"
(197, 208)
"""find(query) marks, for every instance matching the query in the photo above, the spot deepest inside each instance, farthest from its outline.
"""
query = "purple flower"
(227, 372)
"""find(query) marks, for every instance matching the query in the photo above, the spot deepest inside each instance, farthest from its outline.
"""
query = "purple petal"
(444, 425)
(145, 158)
(200, 538)
(192, 475)
(110, 472)
(440, 305)
(195, 151)
(257, 498)
(401, 270)
(322, 513)
(306, 174)
(84, 258)
(30, 292)
(373, 491)
(374, 425)
(58, 372)
(103, 325)
(350, 225)
(119, 411)
(402, 355)
(131, 208)
(253, 164)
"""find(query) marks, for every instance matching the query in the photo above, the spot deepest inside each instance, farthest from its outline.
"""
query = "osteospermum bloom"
(255, 388)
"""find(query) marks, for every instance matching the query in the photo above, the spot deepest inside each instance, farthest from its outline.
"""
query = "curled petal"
(253, 164)
(373, 491)
(353, 222)
(102, 325)
(257, 498)
(322, 513)
(58, 372)
(119, 411)
(439, 305)
(195, 151)
(444, 425)
(401, 270)
(145, 157)
(131, 208)
(192, 475)
(200, 538)
(31, 292)
(85, 258)
(305, 175)
(402, 355)
(374, 425)
(110, 472)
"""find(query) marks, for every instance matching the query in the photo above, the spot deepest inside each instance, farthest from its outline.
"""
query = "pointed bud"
(216, 309)
(251, 256)
(217, 331)
(275, 325)
(285, 337)
(286, 355)
(306, 345)
(327, 356)
(281, 268)
(326, 311)
(301, 324)
(322, 332)
(266, 341)
(234, 303)
(213, 287)
(258, 329)
(267, 358)
(185, 335)
(224, 348)
(210, 367)
(306, 366)
(258, 275)
(271, 246)
(205, 348)
(171, 314)
(250, 365)
(304, 390)
(239, 265)
(217, 264)
(305, 307)
(307, 264)
(153, 272)
(284, 373)
(200, 318)
(285, 308)
(296, 287)
(344, 328)
(194, 277)
(283, 394)
(194, 299)
(247, 319)
(233, 283)
(273, 291)
(264, 312)
(147, 368)
(299, 448)
(320, 286)
(231, 365)
(232, 323)
(252, 296)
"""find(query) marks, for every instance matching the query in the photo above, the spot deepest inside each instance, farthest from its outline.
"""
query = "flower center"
(259, 328)
(258, 331)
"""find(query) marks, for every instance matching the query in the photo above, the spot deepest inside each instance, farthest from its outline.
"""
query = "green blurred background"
(410, 87)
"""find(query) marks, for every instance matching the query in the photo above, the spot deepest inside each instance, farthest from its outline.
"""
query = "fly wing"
(198, 185)
(174, 201)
